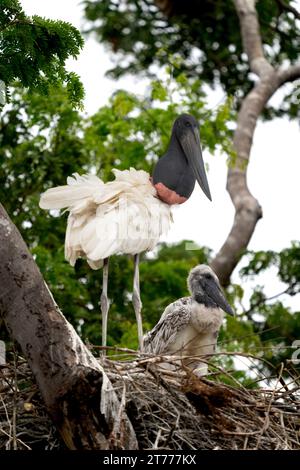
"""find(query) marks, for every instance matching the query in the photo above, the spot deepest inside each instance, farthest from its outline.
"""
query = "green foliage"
(287, 262)
(33, 50)
(204, 34)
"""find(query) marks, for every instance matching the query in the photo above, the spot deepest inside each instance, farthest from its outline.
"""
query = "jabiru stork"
(129, 215)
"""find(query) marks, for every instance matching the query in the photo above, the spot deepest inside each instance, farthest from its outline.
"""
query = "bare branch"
(290, 74)
(247, 209)
(251, 37)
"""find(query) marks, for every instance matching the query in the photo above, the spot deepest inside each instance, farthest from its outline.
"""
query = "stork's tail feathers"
(77, 196)
(73, 195)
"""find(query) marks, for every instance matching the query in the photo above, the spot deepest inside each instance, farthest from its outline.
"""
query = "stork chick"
(189, 327)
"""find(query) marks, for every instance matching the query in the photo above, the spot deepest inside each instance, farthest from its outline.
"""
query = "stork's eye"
(188, 124)
(208, 276)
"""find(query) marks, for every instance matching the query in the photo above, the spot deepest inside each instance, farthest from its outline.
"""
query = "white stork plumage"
(189, 327)
(128, 215)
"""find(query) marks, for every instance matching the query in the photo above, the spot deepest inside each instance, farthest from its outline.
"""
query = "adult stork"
(189, 327)
(128, 215)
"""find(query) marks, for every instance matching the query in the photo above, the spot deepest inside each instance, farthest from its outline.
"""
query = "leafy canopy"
(34, 50)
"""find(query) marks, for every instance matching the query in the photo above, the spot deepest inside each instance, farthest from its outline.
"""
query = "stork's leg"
(104, 303)
(136, 300)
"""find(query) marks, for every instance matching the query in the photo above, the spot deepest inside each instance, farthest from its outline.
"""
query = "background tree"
(224, 43)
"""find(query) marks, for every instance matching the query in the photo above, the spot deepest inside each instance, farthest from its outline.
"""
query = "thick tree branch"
(77, 392)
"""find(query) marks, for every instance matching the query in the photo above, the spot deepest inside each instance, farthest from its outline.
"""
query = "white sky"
(274, 169)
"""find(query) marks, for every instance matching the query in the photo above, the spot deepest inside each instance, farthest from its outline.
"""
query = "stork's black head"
(184, 124)
(176, 172)
(205, 287)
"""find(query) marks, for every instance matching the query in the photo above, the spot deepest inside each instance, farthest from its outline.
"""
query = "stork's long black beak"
(191, 145)
(213, 290)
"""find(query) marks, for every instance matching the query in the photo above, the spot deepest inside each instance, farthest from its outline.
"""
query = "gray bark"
(76, 390)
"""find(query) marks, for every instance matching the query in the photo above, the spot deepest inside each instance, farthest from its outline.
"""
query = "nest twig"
(169, 409)
(24, 423)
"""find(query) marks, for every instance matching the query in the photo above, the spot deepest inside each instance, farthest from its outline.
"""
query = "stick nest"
(168, 410)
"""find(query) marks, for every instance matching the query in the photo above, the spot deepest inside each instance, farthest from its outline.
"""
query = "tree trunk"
(78, 394)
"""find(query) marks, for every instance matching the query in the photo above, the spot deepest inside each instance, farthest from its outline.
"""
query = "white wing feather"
(122, 216)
